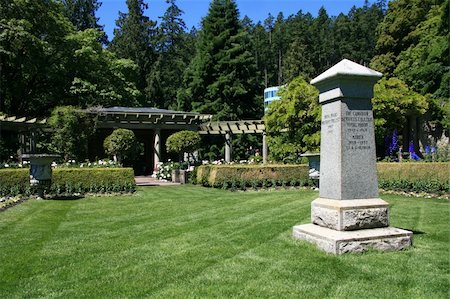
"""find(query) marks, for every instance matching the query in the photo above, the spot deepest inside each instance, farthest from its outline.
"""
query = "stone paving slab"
(151, 181)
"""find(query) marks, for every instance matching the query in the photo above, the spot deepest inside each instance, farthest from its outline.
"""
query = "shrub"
(71, 180)
(416, 177)
(256, 175)
(71, 130)
(183, 142)
(122, 144)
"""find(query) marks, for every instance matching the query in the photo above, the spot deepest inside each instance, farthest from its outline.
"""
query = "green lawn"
(179, 242)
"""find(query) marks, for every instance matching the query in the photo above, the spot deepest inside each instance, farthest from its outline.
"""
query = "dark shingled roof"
(148, 110)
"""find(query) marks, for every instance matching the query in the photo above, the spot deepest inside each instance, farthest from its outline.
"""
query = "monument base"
(351, 214)
(339, 242)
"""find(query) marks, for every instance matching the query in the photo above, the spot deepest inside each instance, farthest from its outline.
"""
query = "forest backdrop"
(55, 53)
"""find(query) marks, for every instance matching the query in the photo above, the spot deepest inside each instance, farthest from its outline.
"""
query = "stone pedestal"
(348, 216)
(339, 242)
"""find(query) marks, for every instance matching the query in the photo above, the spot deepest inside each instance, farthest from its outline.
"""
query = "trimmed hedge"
(415, 177)
(71, 180)
(242, 176)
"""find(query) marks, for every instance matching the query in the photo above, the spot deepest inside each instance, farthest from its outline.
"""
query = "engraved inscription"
(355, 124)
(328, 122)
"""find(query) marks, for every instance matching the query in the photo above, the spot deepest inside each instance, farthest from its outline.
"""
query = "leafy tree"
(220, 79)
(71, 130)
(82, 15)
(413, 45)
(121, 144)
(99, 77)
(134, 39)
(393, 103)
(293, 122)
(183, 142)
(33, 75)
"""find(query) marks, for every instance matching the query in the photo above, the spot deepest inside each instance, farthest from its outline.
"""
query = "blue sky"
(194, 10)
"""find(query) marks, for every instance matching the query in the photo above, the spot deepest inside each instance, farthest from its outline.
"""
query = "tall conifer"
(134, 39)
(220, 79)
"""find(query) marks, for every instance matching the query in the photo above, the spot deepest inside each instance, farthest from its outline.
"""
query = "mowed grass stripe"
(196, 242)
(193, 241)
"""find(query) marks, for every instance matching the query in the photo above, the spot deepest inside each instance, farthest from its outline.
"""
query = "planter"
(40, 171)
(314, 166)
(175, 176)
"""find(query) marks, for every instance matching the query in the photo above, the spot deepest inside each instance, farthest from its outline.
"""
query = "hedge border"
(431, 177)
(71, 180)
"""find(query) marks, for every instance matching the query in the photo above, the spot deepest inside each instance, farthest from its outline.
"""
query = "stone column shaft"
(228, 147)
(156, 149)
(264, 149)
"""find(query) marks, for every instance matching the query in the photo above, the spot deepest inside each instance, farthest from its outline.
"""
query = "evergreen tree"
(413, 45)
(82, 15)
(321, 43)
(220, 79)
(134, 38)
(298, 57)
(280, 46)
(173, 56)
(261, 52)
(396, 32)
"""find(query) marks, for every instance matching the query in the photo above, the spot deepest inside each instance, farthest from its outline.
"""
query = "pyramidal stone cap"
(346, 79)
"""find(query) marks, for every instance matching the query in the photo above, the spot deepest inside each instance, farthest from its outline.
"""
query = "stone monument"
(349, 216)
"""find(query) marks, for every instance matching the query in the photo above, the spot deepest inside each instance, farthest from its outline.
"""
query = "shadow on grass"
(65, 197)
(416, 232)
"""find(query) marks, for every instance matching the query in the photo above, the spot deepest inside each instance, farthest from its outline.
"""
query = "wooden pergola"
(25, 128)
(151, 119)
(148, 118)
(230, 128)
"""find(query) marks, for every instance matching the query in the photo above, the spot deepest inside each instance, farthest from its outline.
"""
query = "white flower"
(6, 165)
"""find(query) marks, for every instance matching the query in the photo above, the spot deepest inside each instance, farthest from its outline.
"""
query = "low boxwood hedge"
(414, 177)
(242, 176)
(71, 180)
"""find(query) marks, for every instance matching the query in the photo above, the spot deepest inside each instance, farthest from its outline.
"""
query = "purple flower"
(411, 147)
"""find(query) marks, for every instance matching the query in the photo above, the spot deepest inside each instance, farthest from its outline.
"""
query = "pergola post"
(228, 147)
(264, 147)
(156, 149)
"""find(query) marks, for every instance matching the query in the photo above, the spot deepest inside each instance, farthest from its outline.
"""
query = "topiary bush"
(183, 142)
(122, 144)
